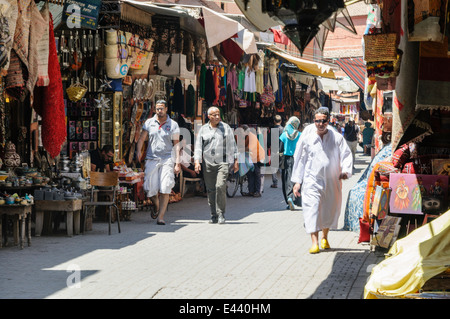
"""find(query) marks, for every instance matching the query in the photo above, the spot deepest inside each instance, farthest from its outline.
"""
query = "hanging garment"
(249, 80)
(49, 102)
(273, 66)
(42, 50)
(210, 93)
(178, 98)
(230, 99)
(14, 80)
(241, 79)
(9, 13)
(231, 51)
(190, 101)
(216, 78)
(279, 93)
(260, 73)
(232, 78)
(202, 81)
(37, 31)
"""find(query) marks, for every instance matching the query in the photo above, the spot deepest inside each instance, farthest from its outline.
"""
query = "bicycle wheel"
(244, 185)
(232, 184)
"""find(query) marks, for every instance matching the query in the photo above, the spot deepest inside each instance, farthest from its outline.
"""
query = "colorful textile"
(354, 208)
(10, 14)
(404, 99)
(280, 37)
(433, 89)
(401, 156)
(49, 102)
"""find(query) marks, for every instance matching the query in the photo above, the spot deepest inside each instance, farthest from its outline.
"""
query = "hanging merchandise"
(190, 101)
(267, 98)
(49, 102)
(43, 47)
(117, 61)
(380, 47)
(8, 26)
(273, 66)
(102, 102)
(76, 91)
(178, 98)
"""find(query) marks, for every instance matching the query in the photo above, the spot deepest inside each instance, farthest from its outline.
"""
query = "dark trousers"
(254, 179)
(287, 185)
(215, 176)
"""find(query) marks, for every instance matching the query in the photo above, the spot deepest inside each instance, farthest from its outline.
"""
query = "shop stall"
(405, 186)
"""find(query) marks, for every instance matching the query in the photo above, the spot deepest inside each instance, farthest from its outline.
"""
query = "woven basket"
(76, 91)
(380, 47)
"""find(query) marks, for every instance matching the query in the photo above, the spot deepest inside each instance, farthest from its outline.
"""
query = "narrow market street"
(260, 253)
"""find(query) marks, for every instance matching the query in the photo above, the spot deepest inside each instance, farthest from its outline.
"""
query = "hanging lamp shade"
(302, 18)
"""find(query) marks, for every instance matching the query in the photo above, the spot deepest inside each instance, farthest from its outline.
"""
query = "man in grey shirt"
(215, 148)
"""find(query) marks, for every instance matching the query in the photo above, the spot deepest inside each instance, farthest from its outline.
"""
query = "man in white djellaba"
(322, 159)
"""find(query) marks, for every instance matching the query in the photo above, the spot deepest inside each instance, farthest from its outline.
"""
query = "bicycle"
(234, 182)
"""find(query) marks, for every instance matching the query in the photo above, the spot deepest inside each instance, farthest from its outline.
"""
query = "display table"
(71, 207)
(19, 213)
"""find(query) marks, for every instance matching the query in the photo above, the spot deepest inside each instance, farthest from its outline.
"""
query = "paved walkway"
(261, 252)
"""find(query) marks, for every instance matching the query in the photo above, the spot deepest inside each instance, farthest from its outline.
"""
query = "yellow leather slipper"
(324, 243)
(314, 249)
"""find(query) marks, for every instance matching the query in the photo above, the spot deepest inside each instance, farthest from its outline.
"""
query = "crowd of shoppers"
(313, 161)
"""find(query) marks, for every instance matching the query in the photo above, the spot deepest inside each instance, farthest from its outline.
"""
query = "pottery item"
(12, 159)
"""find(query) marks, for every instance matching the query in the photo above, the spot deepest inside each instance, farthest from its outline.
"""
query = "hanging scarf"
(49, 102)
(291, 128)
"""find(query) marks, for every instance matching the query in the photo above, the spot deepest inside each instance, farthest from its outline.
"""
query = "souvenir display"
(418, 193)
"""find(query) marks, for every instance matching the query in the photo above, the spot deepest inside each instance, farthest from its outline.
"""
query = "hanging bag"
(267, 97)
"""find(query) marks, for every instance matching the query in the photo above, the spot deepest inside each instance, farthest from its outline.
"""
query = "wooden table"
(19, 213)
(71, 207)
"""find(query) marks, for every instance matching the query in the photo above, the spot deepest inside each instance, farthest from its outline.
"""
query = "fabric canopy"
(246, 41)
(355, 68)
(218, 27)
(310, 67)
(414, 260)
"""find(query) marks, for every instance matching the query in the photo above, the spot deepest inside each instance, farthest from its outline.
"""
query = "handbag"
(267, 97)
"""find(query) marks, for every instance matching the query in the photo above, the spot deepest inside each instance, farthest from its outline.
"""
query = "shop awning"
(355, 68)
(188, 21)
(310, 67)
(219, 28)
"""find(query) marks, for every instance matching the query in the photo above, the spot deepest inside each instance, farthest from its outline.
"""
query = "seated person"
(187, 164)
(101, 159)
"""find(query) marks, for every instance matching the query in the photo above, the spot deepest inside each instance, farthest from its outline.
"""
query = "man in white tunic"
(322, 159)
(162, 160)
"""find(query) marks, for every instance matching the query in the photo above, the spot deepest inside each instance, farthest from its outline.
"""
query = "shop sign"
(81, 13)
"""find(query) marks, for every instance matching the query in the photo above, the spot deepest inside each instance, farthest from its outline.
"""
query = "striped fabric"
(355, 68)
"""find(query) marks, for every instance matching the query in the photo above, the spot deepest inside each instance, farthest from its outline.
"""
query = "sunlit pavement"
(260, 252)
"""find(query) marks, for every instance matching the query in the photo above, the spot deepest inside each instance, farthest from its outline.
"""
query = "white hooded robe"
(317, 166)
